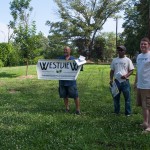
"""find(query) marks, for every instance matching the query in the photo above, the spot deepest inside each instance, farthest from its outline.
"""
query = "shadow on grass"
(33, 99)
(33, 118)
(7, 75)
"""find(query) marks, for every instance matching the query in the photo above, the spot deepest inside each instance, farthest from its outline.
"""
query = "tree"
(56, 45)
(4, 52)
(105, 46)
(143, 9)
(136, 24)
(110, 45)
(24, 29)
(83, 19)
(8, 55)
(130, 32)
(43, 46)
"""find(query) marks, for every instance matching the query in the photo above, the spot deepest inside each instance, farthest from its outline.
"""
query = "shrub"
(1, 63)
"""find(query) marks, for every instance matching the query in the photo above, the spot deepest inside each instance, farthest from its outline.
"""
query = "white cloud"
(4, 32)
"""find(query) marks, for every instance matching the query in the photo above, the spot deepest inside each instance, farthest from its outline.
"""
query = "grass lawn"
(32, 115)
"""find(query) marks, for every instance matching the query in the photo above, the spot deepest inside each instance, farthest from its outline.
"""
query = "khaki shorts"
(143, 98)
(138, 98)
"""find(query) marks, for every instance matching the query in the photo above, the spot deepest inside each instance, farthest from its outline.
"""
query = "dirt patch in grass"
(13, 91)
(27, 77)
(89, 62)
(1, 83)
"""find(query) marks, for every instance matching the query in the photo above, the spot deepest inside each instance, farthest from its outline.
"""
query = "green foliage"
(104, 46)
(35, 60)
(19, 9)
(29, 46)
(1, 63)
(143, 7)
(56, 46)
(8, 55)
(4, 52)
(13, 57)
(32, 114)
(109, 50)
(83, 19)
(136, 24)
(11, 54)
(24, 31)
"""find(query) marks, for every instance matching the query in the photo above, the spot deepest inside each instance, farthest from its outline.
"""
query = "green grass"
(32, 114)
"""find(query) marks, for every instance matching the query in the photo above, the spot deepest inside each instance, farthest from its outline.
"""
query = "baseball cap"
(122, 47)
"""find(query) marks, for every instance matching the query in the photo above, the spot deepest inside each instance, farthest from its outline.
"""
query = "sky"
(43, 10)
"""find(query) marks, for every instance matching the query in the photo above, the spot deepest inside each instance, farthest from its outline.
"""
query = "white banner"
(57, 69)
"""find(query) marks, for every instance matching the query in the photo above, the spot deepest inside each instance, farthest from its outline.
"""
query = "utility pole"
(116, 32)
(116, 19)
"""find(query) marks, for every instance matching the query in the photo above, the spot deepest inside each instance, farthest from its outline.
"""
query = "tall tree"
(83, 19)
(143, 8)
(136, 24)
(24, 29)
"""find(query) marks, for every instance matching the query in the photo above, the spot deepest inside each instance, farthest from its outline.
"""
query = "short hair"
(146, 39)
(67, 47)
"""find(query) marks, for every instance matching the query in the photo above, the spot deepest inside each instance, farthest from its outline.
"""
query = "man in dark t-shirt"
(68, 88)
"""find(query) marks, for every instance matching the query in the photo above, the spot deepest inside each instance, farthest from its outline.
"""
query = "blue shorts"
(68, 91)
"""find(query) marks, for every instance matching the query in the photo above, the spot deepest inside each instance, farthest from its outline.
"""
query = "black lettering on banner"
(58, 65)
(54, 65)
(74, 66)
(62, 65)
(44, 65)
(50, 65)
(67, 65)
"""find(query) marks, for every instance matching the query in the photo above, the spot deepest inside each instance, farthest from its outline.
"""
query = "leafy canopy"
(83, 19)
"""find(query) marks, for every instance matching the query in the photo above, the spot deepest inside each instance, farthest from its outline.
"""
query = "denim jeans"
(125, 88)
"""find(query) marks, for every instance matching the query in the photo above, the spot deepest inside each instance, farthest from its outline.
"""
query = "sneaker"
(78, 112)
(144, 125)
(127, 115)
(146, 131)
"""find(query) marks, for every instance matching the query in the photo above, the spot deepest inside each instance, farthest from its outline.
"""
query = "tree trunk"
(92, 43)
(27, 67)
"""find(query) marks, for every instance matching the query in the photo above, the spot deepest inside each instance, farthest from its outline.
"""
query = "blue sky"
(43, 10)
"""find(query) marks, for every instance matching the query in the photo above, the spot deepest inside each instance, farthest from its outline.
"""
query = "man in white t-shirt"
(121, 68)
(142, 82)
